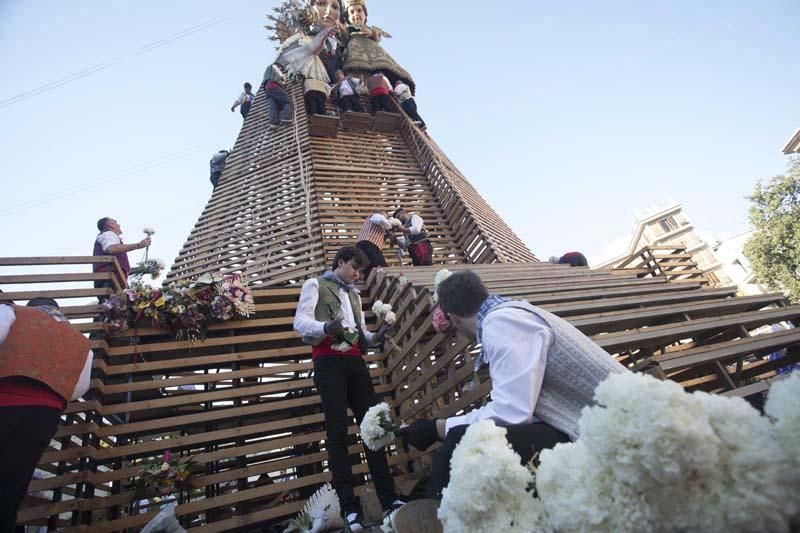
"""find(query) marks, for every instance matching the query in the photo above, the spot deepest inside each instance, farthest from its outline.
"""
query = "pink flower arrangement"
(440, 322)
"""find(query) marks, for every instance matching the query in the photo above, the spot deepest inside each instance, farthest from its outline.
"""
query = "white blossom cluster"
(384, 311)
(488, 488)
(149, 232)
(374, 436)
(437, 280)
(650, 457)
(395, 222)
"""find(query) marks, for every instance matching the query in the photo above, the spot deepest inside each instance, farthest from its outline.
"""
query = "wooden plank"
(323, 126)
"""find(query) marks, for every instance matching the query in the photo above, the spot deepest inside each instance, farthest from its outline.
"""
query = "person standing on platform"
(108, 242)
(346, 90)
(315, 95)
(379, 88)
(279, 102)
(403, 94)
(419, 245)
(372, 239)
(329, 305)
(44, 363)
(574, 259)
(245, 100)
(217, 165)
(543, 371)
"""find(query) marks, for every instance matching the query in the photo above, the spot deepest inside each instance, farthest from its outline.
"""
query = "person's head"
(339, 75)
(357, 13)
(348, 263)
(460, 297)
(400, 214)
(42, 302)
(248, 88)
(329, 12)
(377, 73)
(108, 224)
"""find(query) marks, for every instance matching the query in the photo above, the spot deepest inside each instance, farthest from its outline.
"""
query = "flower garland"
(377, 429)
(650, 457)
(184, 308)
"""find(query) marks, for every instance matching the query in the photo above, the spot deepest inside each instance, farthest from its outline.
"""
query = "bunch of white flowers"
(377, 428)
(650, 457)
(488, 488)
(395, 222)
(437, 280)
(384, 311)
(653, 458)
(783, 405)
(149, 232)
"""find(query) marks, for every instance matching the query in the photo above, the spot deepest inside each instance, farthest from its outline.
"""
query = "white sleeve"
(381, 221)
(7, 318)
(517, 347)
(84, 381)
(416, 224)
(108, 238)
(304, 321)
(368, 335)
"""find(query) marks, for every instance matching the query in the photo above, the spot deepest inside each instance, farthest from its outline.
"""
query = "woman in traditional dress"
(363, 53)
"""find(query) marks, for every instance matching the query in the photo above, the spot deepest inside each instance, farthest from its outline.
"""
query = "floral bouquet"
(345, 340)
(384, 312)
(115, 311)
(650, 457)
(377, 428)
(162, 477)
(148, 267)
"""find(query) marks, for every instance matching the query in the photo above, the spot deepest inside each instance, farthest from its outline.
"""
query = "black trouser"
(526, 439)
(374, 254)
(345, 382)
(245, 109)
(315, 102)
(25, 433)
(410, 107)
(351, 103)
(381, 102)
(215, 178)
(421, 253)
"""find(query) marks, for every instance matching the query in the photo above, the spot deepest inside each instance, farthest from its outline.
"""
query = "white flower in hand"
(165, 467)
(149, 231)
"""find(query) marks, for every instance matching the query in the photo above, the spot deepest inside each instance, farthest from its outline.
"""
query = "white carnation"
(783, 405)
(395, 222)
(149, 231)
(437, 280)
(373, 435)
(390, 318)
(384, 312)
(488, 485)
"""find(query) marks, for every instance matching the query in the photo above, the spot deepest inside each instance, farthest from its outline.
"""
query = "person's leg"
(321, 101)
(413, 251)
(376, 104)
(274, 110)
(410, 107)
(426, 257)
(310, 103)
(25, 433)
(346, 103)
(361, 396)
(331, 381)
(244, 109)
(440, 469)
(358, 107)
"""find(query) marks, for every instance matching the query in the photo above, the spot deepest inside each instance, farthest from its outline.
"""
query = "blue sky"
(566, 116)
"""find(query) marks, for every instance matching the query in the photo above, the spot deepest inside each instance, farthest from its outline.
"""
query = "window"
(668, 224)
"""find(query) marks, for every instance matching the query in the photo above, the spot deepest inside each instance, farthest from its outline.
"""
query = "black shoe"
(355, 522)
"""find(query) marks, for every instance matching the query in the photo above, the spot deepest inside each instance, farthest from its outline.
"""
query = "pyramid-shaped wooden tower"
(242, 402)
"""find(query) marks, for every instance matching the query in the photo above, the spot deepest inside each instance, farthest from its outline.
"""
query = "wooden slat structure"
(243, 403)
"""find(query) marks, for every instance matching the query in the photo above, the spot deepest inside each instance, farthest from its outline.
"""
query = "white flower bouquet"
(650, 457)
(377, 429)
(148, 267)
(384, 312)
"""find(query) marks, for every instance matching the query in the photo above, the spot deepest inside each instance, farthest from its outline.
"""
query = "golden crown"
(348, 3)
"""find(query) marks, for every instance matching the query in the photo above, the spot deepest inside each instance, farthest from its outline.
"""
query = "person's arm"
(84, 381)
(7, 319)
(305, 322)
(239, 101)
(123, 248)
(387, 83)
(381, 221)
(517, 351)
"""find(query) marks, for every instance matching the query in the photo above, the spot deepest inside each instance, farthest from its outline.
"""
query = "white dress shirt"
(7, 319)
(515, 343)
(402, 92)
(305, 322)
(416, 224)
(108, 238)
(344, 86)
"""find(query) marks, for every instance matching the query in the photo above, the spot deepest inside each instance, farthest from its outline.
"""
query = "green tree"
(774, 248)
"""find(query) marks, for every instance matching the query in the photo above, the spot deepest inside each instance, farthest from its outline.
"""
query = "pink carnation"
(440, 322)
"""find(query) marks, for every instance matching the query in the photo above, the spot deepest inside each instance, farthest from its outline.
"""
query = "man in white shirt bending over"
(543, 370)
(346, 90)
(403, 94)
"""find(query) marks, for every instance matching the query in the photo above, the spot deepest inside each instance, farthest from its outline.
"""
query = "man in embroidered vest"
(371, 240)
(330, 318)
(108, 242)
(44, 363)
(543, 370)
(419, 245)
